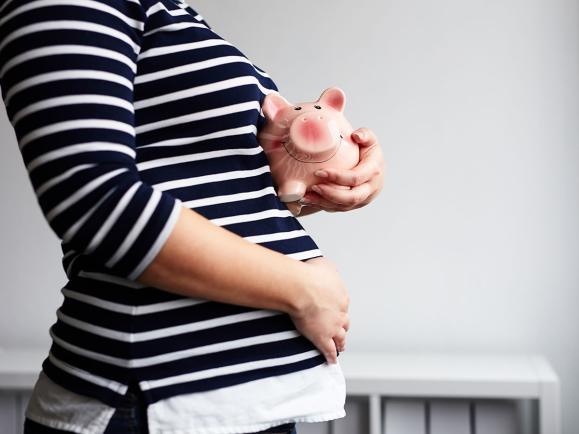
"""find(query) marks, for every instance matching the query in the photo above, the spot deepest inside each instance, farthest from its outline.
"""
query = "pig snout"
(309, 129)
(313, 136)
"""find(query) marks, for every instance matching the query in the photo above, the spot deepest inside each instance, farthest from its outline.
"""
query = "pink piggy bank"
(300, 138)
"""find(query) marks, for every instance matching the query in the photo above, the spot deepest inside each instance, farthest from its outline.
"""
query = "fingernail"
(321, 173)
(316, 188)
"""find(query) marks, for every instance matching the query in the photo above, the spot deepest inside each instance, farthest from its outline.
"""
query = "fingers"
(350, 198)
(294, 207)
(364, 136)
(314, 200)
(346, 324)
(368, 167)
(329, 351)
(337, 343)
(361, 173)
(365, 180)
(340, 340)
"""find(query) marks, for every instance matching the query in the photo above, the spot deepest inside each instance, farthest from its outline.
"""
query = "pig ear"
(273, 104)
(334, 97)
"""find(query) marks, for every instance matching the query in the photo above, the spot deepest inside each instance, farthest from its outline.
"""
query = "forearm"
(201, 259)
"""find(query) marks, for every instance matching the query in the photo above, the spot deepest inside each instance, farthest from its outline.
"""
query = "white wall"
(474, 243)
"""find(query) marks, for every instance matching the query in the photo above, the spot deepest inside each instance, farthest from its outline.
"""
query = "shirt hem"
(321, 417)
(95, 428)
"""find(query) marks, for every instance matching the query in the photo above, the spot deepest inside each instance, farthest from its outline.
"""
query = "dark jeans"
(131, 418)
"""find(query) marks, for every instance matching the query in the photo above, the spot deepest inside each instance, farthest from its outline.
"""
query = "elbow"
(107, 213)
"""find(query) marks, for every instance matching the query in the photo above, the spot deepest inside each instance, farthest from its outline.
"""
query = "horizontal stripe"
(174, 28)
(171, 49)
(190, 140)
(87, 376)
(196, 338)
(69, 25)
(161, 333)
(231, 83)
(207, 114)
(224, 221)
(64, 50)
(56, 76)
(75, 99)
(187, 68)
(77, 149)
(82, 192)
(131, 309)
(34, 5)
(161, 162)
(188, 182)
(63, 176)
(227, 198)
(178, 355)
(306, 255)
(111, 279)
(138, 324)
(147, 385)
(277, 236)
(75, 125)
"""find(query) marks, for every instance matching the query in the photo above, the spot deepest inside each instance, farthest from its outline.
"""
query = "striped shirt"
(125, 111)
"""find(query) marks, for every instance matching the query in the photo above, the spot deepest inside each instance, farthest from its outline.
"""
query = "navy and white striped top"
(125, 111)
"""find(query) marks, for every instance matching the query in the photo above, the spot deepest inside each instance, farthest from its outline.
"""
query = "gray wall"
(473, 244)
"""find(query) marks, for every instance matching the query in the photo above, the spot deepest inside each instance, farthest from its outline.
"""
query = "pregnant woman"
(195, 302)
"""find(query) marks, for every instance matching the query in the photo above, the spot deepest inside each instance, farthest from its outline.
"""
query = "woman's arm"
(201, 259)
(233, 270)
(68, 92)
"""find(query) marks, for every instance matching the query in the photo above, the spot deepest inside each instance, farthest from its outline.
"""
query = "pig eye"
(297, 108)
(318, 107)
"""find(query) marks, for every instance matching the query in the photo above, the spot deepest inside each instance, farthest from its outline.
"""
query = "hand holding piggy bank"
(299, 139)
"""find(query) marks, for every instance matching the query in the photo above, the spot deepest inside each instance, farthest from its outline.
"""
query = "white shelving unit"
(440, 378)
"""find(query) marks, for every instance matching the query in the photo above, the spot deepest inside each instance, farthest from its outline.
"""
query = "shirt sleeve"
(67, 72)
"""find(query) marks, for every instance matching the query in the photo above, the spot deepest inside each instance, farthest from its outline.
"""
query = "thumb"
(294, 207)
